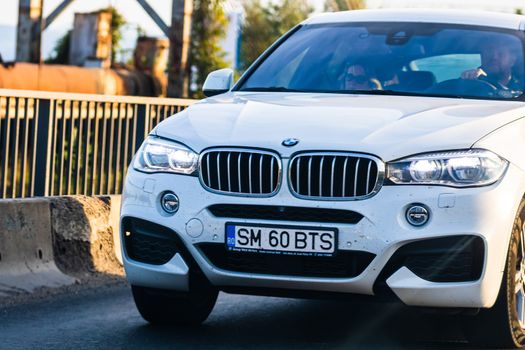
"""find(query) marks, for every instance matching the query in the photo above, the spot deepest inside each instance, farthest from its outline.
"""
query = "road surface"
(105, 318)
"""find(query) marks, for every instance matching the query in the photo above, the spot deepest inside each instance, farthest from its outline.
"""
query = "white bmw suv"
(365, 152)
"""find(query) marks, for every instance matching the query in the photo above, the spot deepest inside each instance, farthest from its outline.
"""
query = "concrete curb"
(114, 220)
(26, 247)
(54, 241)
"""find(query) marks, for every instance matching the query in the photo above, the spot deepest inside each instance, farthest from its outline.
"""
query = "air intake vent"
(346, 264)
(335, 176)
(283, 213)
(240, 172)
(147, 242)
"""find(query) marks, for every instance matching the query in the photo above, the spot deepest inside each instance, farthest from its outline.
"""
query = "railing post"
(48, 132)
(142, 125)
(43, 149)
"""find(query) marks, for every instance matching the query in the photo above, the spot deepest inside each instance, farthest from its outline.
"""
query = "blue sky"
(136, 16)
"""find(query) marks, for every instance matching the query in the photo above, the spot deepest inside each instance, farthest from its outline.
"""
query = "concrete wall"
(54, 241)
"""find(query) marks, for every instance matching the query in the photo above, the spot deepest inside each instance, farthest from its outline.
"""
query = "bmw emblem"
(290, 142)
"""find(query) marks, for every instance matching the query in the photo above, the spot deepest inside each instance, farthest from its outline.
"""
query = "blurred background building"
(122, 47)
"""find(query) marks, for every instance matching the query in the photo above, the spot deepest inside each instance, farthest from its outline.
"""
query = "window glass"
(447, 67)
(395, 58)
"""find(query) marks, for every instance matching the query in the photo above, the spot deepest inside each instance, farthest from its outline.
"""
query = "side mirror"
(218, 82)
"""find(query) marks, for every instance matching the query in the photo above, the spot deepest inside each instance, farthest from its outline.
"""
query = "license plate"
(288, 240)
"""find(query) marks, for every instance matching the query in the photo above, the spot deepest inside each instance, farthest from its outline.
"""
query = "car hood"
(389, 127)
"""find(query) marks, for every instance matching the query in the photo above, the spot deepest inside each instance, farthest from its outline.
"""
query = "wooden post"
(91, 40)
(178, 80)
(29, 31)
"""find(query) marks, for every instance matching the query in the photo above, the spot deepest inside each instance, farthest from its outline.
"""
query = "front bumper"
(486, 212)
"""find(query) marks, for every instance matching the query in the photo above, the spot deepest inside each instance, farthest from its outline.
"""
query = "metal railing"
(55, 144)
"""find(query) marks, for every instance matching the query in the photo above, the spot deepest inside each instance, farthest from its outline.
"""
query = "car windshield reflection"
(395, 59)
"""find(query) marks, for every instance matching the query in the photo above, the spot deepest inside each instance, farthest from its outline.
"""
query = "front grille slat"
(310, 175)
(261, 174)
(321, 176)
(240, 172)
(368, 175)
(271, 172)
(218, 169)
(208, 168)
(344, 177)
(339, 176)
(355, 177)
(250, 172)
(332, 182)
(229, 175)
(297, 177)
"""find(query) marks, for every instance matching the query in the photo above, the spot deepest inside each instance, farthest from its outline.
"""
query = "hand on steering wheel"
(472, 74)
(478, 74)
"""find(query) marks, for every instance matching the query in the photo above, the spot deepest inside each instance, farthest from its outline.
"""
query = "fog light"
(169, 202)
(417, 215)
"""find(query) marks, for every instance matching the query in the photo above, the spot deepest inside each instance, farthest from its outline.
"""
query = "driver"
(357, 77)
(497, 62)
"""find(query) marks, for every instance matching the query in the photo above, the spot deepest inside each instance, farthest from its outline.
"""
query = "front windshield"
(395, 58)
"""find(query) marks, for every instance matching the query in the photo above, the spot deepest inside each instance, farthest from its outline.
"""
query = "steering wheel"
(465, 87)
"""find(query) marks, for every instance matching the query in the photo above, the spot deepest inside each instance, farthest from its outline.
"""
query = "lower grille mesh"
(445, 259)
(268, 212)
(345, 264)
(148, 243)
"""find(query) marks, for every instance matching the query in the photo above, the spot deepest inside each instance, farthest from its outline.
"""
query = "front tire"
(164, 307)
(503, 325)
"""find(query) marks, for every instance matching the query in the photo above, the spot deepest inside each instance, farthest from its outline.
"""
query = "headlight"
(158, 155)
(474, 167)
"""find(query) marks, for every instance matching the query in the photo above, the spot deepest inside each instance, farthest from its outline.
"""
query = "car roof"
(470, 17)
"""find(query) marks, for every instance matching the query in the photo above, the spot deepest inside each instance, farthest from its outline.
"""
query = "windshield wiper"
(364, 92)
(381, 92)
(353, 92)
(398, 93)
(273, 89)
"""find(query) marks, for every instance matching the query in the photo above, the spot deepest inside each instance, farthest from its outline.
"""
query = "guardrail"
(54, 144)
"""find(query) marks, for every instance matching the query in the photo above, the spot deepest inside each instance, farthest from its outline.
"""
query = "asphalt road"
(106, 318)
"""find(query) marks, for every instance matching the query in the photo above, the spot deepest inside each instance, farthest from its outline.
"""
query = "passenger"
(497, 62)
(356, 77)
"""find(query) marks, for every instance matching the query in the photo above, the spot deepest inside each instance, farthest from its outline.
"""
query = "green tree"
(263, 25)
(209, 24)
(257, 33)
(61, 50)
(289, 13)
(117, 23)
(344, 5)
